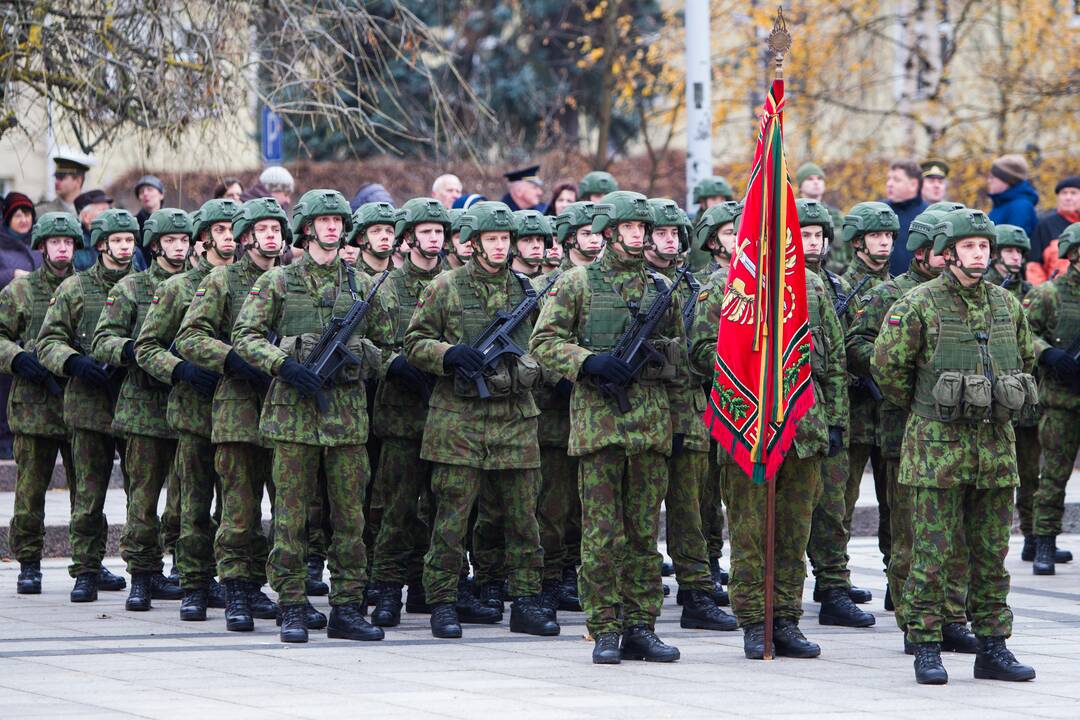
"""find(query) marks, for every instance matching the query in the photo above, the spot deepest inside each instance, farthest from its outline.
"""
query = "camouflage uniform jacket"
(296, 302)
(860, 351)
(23, 302)
(67, 330)
(205, 338)
(863, 408)
(400, 410)
(491, 434)
(1053, 310)
(1016, 285)
(363, 266)
(585, 313)
(553, 428)
(188, 411)
(948, 454)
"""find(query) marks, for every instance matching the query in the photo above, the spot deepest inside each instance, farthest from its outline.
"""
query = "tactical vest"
(406, 304)
(1068, 323)
(969, 372)
(819, 354)
(143, 285)
(304, 314)
(40, 295)
(94, 293)
(474, 318)
(609, 314)
(238, 289)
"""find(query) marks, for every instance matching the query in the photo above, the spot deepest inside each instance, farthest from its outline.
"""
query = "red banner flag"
(761, 386)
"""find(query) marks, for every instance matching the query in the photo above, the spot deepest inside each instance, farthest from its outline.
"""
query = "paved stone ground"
(96, 660)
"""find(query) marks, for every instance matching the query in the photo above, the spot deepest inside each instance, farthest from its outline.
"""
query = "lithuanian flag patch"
(155, 300)
(894, 319)
(254, 291)
(199, 292)
(110, 300)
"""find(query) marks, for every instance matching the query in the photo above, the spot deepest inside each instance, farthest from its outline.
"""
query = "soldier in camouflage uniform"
(1053, 310)
(622, 457)
(925, 266)
(472, 441)
(295, 303)
(688, 470)
(139, 416)
(63, 346)
(956, 352)
(189, 405)
(457, 252)
(33, 415)
(399, 419)
(595, 185)
(242, 458)
(798, 481)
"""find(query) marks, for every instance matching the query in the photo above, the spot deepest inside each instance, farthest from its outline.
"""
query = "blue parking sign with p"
(271, 136)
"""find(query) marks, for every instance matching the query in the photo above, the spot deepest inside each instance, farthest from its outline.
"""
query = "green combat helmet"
(315, 203)
(921, 231)
(667, 213)
(110, 222)
(812, 212)
(455, 219)
(713, 186)
(532, 223)
(167, 221)
(418, 211)
(960, 224)
(597, 182)
(213, 211)
(55, 224)
(710, 221)
(1014, 236)
(368, 214)
(488, 216)
(869, 217)
(1069, 239)
(258, 209)
(623, 206)
(945, 206)
(577, 215)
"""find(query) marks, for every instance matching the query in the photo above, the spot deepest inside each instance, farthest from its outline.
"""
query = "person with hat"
(19, 216)
(373, 232)
(36, 416)
(150, 192)
(242, 457)
(279, 183)
(1044, 258)
(1012, 196)
(957, 353)
(935, 180)
(64, 346)
(595, 185)
(317, 429)
(810, 181)
(457, 252)
(525, 189)
(140, 413)
(88, 206)
(69, 175)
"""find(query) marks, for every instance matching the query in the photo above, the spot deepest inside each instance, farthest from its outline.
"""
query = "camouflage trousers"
(240, 546)
(1028, 451)
(901, 509)
(559, 502)
(1059, 436)
(712, 507)
(455, 489)
(858, 455)
(975, 523)
(489, 536)
(170, 516)
(830, 527)
(686, 544)
(405, 532)
(92, 455)
(620, 518)
(149, 462)
(320, 529)
(797, 488)
(296, 482)
(35, 458)
(198, 481)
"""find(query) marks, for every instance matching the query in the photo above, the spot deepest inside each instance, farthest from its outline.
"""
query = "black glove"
(607, 367)
(400, 369)
(240, 368)
(1065, 368)
(26, 365)
(128, 354)
(199, 378)
(563, 389)
(676, 444)
(304, 380)
(465, 357)
(836, 441)
(87, 369)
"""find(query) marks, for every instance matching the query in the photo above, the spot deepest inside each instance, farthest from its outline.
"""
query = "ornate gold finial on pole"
(779, 41)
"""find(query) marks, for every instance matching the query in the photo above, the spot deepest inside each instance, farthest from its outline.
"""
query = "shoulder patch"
(894, 318)
(110, 300)
(703, 296)
(255, 290)
(199, 292)
(52, 300)
(1026, 302)
(155, 300)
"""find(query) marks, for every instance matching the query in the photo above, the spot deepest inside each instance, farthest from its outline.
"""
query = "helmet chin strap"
(420, 249)
(632, 252)
(58, 268)
(973, 273)
(381, 254)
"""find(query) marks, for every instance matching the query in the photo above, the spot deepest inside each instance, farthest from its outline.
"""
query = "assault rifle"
(330, 354)
(690, 306)
(841, 303)
(634, 348)
(495, 340)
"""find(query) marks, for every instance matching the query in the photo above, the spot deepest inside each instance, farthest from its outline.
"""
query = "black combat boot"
(569, 599)
(237, 607)
(444, 621)
(293, 627)
(889, 606)
(860, 595)
(550, 592)
(1061, 556)
(262, 607)
(956, 637)
(1028, 553)
(470, 610)
(29, 582)
(162, 589)
(415, 601)
(314, 585)
(700, 612)
(929, 669)
(174, 575)
(139, 598)
(667, 569)
(753, 641)
(109, 581)
(491, 595)
(193, 606)
(215, 595)
(722, 598)
(838, 609)
(639, 642)
(86, 587)
(994, 661)
(719, 575)
(606, 649)
(387, 612)
(313, 619)
(790, 642)
(347, 622)
(527, 616)
(1044, 555)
